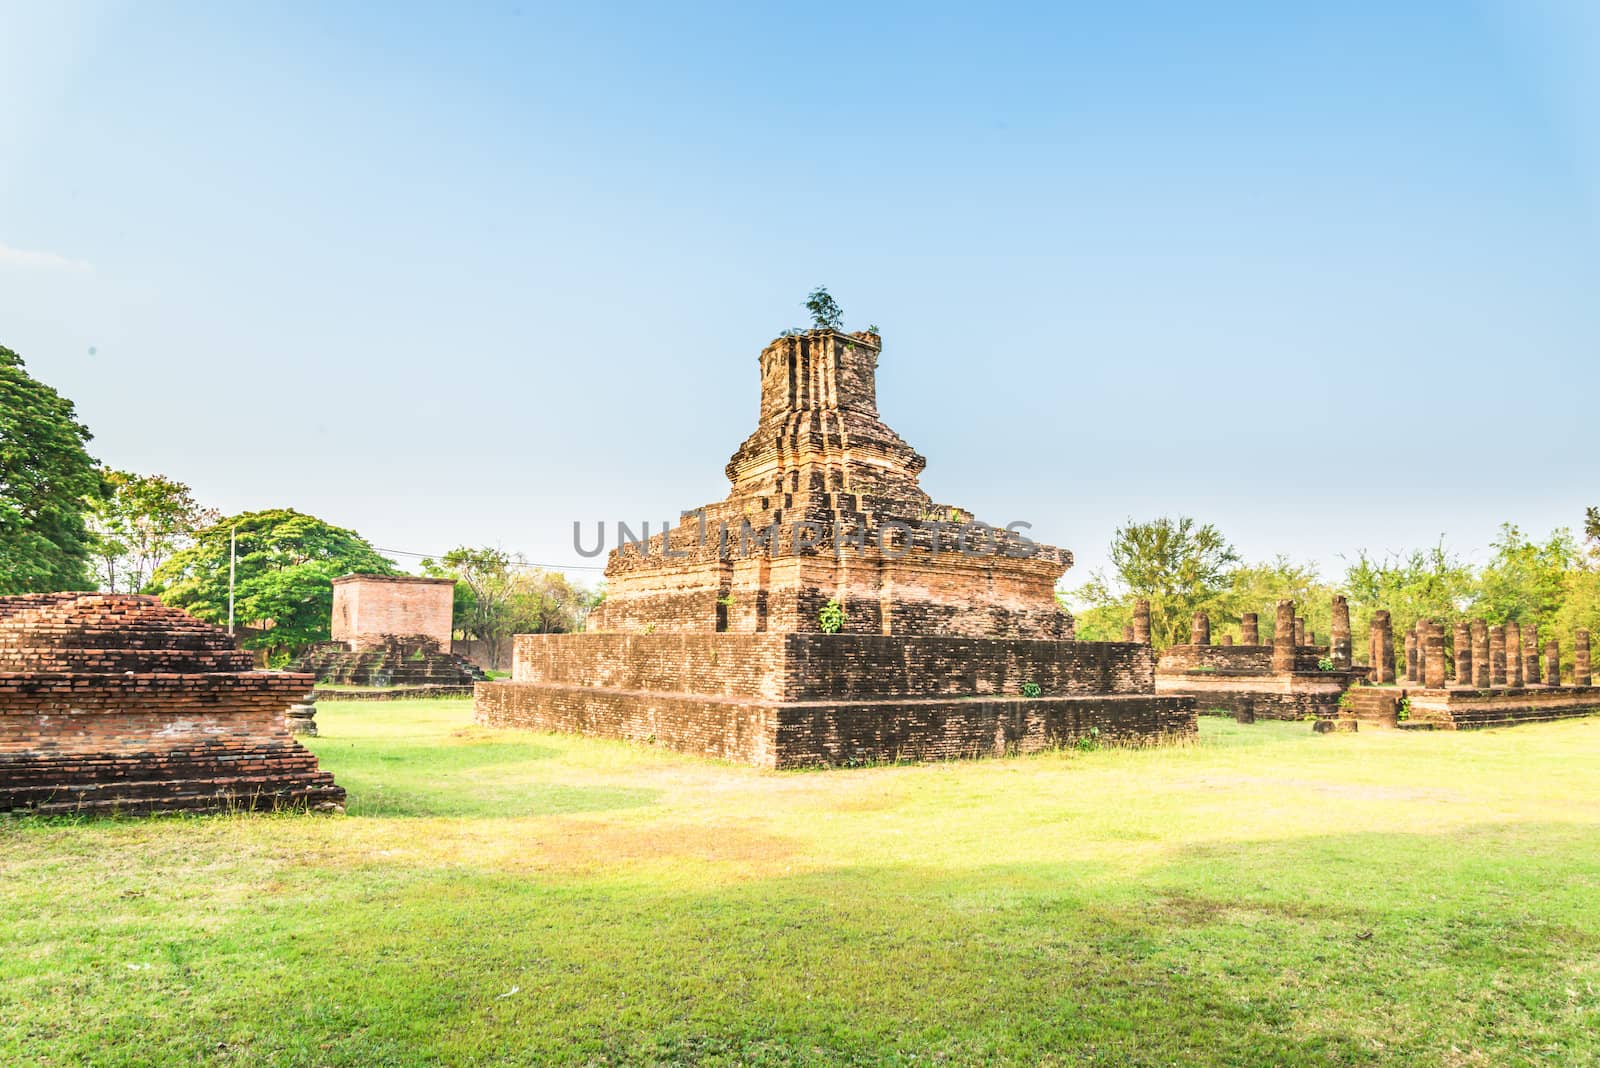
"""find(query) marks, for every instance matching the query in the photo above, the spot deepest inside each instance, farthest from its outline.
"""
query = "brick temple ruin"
(121, 703)
(392, 631)
(1476, 675)
(717, 637)
(1290, 677)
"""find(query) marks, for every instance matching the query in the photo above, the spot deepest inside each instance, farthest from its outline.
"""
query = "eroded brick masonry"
(121, 703)
(712, 638)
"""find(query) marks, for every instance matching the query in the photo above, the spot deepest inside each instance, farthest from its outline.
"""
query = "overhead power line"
(514, 563)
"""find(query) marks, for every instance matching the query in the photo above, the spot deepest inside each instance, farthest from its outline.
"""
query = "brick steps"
(399, 662)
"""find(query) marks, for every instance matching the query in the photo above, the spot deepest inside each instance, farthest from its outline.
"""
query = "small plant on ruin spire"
(1031, 689)
(825, 311)
(831, 618)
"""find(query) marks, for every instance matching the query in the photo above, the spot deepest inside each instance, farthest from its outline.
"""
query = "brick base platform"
(1466, 708)
(794, 700)
(1240, 680)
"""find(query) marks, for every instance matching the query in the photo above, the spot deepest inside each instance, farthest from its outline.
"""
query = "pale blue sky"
(1326, 276)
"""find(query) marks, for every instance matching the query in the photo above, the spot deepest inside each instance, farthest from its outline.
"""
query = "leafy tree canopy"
(1179, 565)
(287, 562)
(142, 520)
(498, 596)
(47, 481)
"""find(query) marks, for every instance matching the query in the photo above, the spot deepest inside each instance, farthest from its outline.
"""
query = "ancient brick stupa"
(120, 703)
(827, 610)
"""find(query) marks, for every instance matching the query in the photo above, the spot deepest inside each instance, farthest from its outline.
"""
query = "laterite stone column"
(1530, 655)
(1433, 667)
(1300, 631)
(1383, 664)
(1200, 629)
(1249, 629)
(1127, 633)
(1552, 663)
(1283, 642)
(1497, 655)
(1513, 653)
(1339, 646)
(1580, 658)
(1480, 654)
(1141, 621)
(1463, 640)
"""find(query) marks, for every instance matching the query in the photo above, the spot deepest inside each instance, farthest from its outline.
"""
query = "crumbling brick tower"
(712, 638)
(823, 470)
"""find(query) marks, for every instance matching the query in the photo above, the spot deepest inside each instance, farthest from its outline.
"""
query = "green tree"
(140, 522)
(1179, 565)
(825, 311)
(47, 484)
(484, 587)
(1423, 584)
(498, 597)
(287, 562)
(1259, 587)
(1526, 581)
(547, 602)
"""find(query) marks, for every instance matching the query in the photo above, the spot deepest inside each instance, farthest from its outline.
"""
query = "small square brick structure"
(370, 609)
(950, 641)
(121, 703)
(392, 631)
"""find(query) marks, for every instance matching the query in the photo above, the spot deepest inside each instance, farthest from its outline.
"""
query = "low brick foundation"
(1240, 681)
(792, 700)
(1467, 708)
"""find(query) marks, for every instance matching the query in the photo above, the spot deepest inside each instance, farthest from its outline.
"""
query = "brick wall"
(784, 700)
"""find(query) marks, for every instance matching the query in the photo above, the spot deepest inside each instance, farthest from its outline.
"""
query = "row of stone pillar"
(1339, 648)
(1486, 656)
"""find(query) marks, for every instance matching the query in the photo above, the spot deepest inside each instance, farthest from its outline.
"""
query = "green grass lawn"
(1263, 897)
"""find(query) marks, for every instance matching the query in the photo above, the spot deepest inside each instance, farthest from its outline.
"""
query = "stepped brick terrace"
(121, 703)
(828, 610)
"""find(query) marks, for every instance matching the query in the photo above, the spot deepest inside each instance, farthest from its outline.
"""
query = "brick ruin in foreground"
(711, 639)
(1288, 678)
(1478, 676)
(391, 630)
(121, 703)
